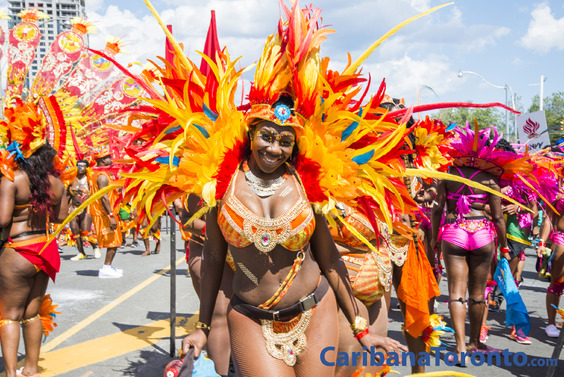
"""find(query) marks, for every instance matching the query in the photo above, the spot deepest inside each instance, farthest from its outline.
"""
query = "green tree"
(554, 111)
(484, 116)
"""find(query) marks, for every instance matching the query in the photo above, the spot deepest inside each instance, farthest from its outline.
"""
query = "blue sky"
(506, 41)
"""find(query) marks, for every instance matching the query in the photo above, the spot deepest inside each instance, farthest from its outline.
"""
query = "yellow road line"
(94, 316)
(97, 350)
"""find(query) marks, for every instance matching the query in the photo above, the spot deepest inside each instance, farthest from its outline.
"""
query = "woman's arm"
(437, 213)
(535, 208)
(332, 266)
(497, 216)
(61, 209)
(198, 226)
(213, 260)
(546, 229)
(7, 201)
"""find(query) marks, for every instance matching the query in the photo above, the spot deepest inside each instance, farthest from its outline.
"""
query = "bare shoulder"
(57, 186)
(488, 180)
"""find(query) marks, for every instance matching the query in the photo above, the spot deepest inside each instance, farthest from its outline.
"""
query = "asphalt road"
(120, 327)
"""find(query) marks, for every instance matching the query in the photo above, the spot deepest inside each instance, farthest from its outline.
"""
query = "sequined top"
(241, 227)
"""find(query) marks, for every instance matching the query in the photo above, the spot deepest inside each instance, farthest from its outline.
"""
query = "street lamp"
(507, 88)
(541, 103)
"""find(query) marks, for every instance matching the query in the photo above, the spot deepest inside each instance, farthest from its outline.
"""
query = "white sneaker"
(78, 256)
(552, 331)
(109, 272)
(97, 253)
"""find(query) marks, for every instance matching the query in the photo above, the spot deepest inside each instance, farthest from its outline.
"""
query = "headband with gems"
(281, 115)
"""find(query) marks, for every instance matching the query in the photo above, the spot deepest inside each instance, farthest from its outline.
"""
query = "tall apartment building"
(60, 13)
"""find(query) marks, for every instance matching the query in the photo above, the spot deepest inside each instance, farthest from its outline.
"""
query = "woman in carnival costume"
(552, 229)
(370, 274)
(31, 196)
(468, 236)
(34, 140)
(519, 224)
(299, 112)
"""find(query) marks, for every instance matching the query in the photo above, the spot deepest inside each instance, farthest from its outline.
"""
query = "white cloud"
(420, 5)
(94, 5)
(545, 31)
(142, 36)
(405, 75)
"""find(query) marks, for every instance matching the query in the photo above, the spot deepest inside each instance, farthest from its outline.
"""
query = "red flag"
(211, 46)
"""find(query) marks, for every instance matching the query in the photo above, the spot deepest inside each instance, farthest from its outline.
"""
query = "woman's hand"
(421, 234)
(382, 342)
(511, 209)
(196, 340)
(434, 243)
(540, 251)
(113, 223)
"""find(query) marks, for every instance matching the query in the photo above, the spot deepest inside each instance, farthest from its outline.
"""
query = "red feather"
(309, 171)
(227, 168)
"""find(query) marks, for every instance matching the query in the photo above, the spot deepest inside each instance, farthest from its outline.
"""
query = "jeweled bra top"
(241, 227)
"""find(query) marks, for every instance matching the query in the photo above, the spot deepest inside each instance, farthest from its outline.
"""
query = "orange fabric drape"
(417, 272)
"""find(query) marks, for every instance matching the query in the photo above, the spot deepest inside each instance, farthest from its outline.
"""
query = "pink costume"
(557, 236)
(557, 287)
(469, 233)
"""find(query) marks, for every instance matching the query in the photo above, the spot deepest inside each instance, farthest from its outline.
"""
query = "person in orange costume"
(104, 217)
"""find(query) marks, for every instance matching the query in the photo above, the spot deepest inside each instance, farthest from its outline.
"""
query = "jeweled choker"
(262, 187)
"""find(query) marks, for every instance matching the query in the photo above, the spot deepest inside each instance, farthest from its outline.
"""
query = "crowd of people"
(301, 209)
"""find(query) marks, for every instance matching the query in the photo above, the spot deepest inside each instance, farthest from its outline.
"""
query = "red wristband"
(111, 215)
(361, 334)
(505, 250)
(542, 243)
(204, 230)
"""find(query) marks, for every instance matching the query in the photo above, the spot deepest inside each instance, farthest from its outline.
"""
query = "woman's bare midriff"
(265, 268)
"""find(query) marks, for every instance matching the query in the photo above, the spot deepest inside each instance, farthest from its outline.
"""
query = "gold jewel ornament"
(286, 346)
(202, 325)
(359, 325)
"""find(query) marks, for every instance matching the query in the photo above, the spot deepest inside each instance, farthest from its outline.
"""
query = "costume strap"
(26, 320)
(28, 242)
(5, 322)
(286, 284)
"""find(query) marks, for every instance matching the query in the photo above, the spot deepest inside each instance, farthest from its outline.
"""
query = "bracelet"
(505, 250)
(361, 334)
(111, 215)
(202, 325)
(542, 243)
(204, 230)
(359, 325)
